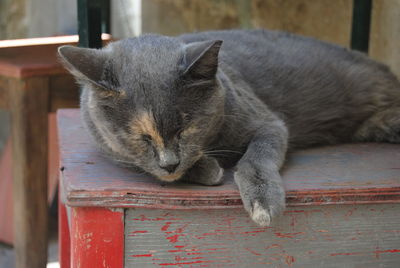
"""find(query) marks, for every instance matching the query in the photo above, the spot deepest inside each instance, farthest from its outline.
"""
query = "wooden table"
(343, 211)
(32, 84)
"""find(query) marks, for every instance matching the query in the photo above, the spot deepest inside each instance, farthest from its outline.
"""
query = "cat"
(188, 107)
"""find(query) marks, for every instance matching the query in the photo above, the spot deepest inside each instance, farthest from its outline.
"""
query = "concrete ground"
(7, 254)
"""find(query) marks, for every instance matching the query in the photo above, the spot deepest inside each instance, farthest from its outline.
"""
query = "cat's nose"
(170, 168)
(169, 161)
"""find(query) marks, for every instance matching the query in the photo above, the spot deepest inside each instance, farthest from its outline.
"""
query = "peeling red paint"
(182, 250)
(194, 253)
(349, 213)
(391, 231)
(293, 220)
(387, 251)
(197, 258)
(139, 232)
(302, 211)
(346, 253)
(252, 251)
(173, 239)
(253, 232)
(144, 218)
(178, 258)
(290, 260)
(142, 255)
(91, 237)
(166, 226)
(182, 263)
(376, 252)
(215, 248)
(274, 246)
(288, 235)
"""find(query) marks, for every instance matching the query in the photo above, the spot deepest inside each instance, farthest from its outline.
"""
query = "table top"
(23, 58)
(341, 174)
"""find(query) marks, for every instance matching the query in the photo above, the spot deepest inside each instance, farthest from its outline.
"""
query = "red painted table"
(343, 211)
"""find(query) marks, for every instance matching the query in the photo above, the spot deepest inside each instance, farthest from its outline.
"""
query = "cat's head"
(152, 101)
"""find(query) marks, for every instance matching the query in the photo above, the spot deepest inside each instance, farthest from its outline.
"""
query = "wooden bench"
(33, 84)
(343, 211)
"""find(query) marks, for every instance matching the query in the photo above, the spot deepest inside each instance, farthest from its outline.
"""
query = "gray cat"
(186, 107)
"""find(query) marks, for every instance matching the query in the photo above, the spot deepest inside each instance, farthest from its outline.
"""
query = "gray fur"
(244, 103)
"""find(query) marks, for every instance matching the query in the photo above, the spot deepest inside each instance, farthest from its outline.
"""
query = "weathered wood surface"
(6, 205)
(29, 107)
(3, 93)
(343, 174)
(6, 180)
(329, 236)
(64, 92)
(21, 62)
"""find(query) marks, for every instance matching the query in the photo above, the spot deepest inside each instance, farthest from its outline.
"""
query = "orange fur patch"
(144, 124)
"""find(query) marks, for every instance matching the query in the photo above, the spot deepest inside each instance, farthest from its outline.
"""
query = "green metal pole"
(93, 17)
(361, 25)
(83, 24)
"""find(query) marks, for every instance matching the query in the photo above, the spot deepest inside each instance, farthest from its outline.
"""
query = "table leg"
(64, 240)
(97, 237)
(29, 107)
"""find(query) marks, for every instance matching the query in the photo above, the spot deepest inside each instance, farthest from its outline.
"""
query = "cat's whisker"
(215, 155)
(223, 151)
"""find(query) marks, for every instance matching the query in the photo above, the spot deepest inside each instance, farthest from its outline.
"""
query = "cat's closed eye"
(186, 117)
(147, 138)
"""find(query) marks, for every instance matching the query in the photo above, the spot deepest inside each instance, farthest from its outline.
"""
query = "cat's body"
(322, 92)
(184, 106)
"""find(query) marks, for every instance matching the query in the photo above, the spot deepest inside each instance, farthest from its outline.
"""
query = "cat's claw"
(260, 215)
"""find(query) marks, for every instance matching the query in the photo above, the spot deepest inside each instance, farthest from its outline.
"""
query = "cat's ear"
(201, 59)
(85, 64)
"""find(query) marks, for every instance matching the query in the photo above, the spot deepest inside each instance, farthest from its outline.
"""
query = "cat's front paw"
(260, 215)
(206, 171)
(262, 193)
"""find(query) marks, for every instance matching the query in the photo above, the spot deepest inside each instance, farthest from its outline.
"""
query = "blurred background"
(322, 19)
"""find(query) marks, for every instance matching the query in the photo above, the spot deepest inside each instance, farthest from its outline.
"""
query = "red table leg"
(97, 237)
(64, 240)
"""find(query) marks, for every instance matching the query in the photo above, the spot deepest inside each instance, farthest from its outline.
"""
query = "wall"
(13, 23)
(323, 19)
(385, 33)
(36, 18)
